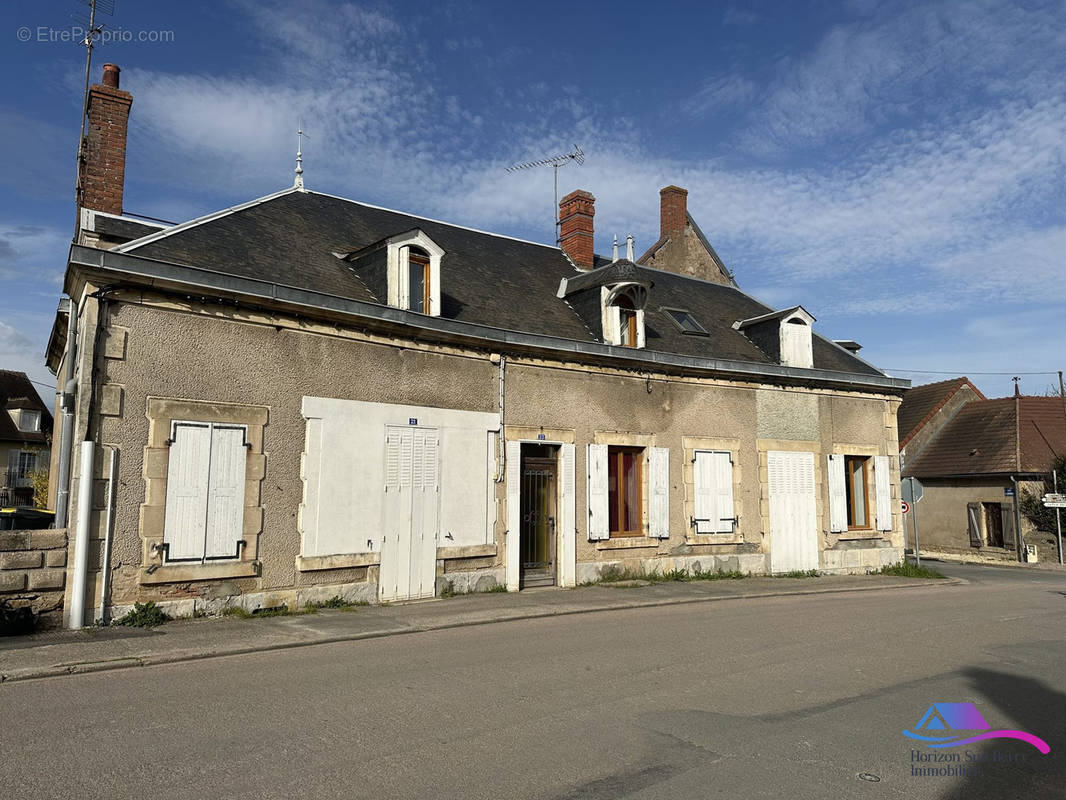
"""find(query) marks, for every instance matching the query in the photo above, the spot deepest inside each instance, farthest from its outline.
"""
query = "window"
(413, 265)
(713, 491)
(856, 492)
(627, 322)
(29, 420)
(684, 321)
(851, 507)
(418, 282)
(27, 463)
(796, 342)
(204, 516)
(624, 481)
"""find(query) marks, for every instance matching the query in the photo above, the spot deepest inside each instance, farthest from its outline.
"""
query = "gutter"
(164, 275)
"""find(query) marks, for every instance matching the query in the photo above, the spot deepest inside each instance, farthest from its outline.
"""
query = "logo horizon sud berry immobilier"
(956, 724)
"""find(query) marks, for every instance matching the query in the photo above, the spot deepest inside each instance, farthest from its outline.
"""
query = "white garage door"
(793, 522)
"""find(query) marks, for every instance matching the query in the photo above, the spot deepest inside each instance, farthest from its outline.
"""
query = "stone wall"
(33, 572)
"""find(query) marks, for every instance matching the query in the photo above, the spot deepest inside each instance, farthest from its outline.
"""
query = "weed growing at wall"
(143, 615)
(906, 569)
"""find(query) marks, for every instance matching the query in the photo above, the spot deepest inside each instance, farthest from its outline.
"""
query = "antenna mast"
(576, 155)
(92, 30)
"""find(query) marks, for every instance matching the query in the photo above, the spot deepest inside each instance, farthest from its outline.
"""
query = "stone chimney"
(673, 210)
(103, 166)
(576, 211)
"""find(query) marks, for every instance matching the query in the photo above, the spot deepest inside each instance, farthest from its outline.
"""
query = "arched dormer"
(414, 272)
(623, 313)
(611, 298)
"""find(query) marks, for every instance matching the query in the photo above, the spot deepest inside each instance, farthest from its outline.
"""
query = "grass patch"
(337, 603)
(143, 615)
(906, 569)
(616, 574)
(449, 590)
(800, 573)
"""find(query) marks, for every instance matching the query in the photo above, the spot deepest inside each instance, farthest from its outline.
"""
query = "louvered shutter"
(599, 526)
(514, 514)
(659, 494)
(838, 498)
(973, 525)
(225, 492)
(568, 519)
(185, 517)
(882, 487)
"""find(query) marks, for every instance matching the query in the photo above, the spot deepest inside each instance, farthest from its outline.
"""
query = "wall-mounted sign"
(541, 436)
(1008, 491)
(412, 421)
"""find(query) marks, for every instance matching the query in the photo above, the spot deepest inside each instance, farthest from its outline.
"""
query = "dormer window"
(785, 336)
(624, 315)
(414, 273)
(796, 341)
(29, 421)
(627, 322)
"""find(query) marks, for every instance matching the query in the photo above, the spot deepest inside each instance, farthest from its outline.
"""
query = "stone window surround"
(859, 534)
(161, 413)
(398, 252)
(644, 441)
(689, 446)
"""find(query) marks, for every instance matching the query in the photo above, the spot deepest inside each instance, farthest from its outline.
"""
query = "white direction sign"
(1055, 501)
(911, 489)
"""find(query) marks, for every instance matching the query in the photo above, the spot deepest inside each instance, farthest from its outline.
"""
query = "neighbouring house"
(25, 438)
(305, 396)
(976, 462)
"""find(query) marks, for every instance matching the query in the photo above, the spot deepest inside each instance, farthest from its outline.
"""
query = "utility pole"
(1058, 511)
(914, 516)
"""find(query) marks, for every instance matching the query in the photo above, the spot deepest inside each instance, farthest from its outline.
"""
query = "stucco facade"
(260, 366)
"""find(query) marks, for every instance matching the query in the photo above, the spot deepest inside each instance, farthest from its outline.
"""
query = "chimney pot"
(111, 72)
(576, 234)
(673, 210)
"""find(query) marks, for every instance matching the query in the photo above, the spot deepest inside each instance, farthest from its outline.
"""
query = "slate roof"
(986, 435)
(291, 239)
(921, 403)
(16, 391)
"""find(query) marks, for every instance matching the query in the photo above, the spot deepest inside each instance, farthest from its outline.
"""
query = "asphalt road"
(777, 698)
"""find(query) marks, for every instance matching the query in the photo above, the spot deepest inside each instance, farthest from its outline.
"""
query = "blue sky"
(897, 168)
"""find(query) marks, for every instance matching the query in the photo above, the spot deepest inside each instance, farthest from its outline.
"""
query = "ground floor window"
(857, 493)
(624, 482)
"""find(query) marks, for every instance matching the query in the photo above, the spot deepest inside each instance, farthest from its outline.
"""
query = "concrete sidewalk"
(95, 649)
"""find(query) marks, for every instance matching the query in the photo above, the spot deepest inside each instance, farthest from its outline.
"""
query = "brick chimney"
(576, 211)
(103, 169)
(673, 210)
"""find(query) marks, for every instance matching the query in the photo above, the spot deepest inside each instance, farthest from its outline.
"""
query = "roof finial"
(614, 252)
(629, 247)
(299, 182)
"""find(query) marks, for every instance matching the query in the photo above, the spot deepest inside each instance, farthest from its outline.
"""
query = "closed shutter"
(713, 491)
(225, 492)
(659, 494)
(185, 517)
(973, 523)
(613, 334)
(514, 515)
(1006, 511)
(598, 493)
(883, 488)
(838, 499)
(568, 520)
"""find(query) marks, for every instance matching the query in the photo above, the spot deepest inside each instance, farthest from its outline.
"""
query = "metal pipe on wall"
(67, 389)
(76, 617)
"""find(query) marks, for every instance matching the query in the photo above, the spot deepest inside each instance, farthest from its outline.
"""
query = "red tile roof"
(987, 437)
(921, 403)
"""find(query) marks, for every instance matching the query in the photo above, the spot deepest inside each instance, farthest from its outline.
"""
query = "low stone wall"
(33, 572)
(859, 557)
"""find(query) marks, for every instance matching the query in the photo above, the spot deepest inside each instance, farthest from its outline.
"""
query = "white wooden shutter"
(838, 498)
(713, 490)
(225, 492)
(185, 517)
(882, 486)
(613, 334)
(599, 523)
(514, 515)
(659, 494)
(722, 466)
(568, 520)
(13, 466)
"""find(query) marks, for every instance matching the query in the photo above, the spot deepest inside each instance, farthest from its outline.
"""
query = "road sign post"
(915, 491)
(1058, 511)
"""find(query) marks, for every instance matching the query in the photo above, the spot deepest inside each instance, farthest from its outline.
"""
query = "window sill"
(467, 551)
(714, 538)
(337, 561)
(178, 573)
(627, 543)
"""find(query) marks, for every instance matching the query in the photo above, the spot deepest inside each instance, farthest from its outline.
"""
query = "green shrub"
(906, 569)
(143, 615)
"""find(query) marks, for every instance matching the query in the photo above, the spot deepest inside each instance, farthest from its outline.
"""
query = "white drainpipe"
(76, 617)
(105, 560)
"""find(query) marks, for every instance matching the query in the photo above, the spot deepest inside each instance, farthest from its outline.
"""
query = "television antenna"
(93, 29)
(577, 155)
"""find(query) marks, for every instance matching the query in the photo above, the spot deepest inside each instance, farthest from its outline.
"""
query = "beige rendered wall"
(942, 520)
(184, 351)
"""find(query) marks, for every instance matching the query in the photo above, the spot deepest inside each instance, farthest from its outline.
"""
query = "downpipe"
(76, 618)
(105, 561)
(68, 391)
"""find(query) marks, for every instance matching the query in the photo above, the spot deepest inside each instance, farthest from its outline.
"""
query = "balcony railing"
(15, 479)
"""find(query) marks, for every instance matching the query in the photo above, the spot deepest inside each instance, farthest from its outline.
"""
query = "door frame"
(565, 540)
